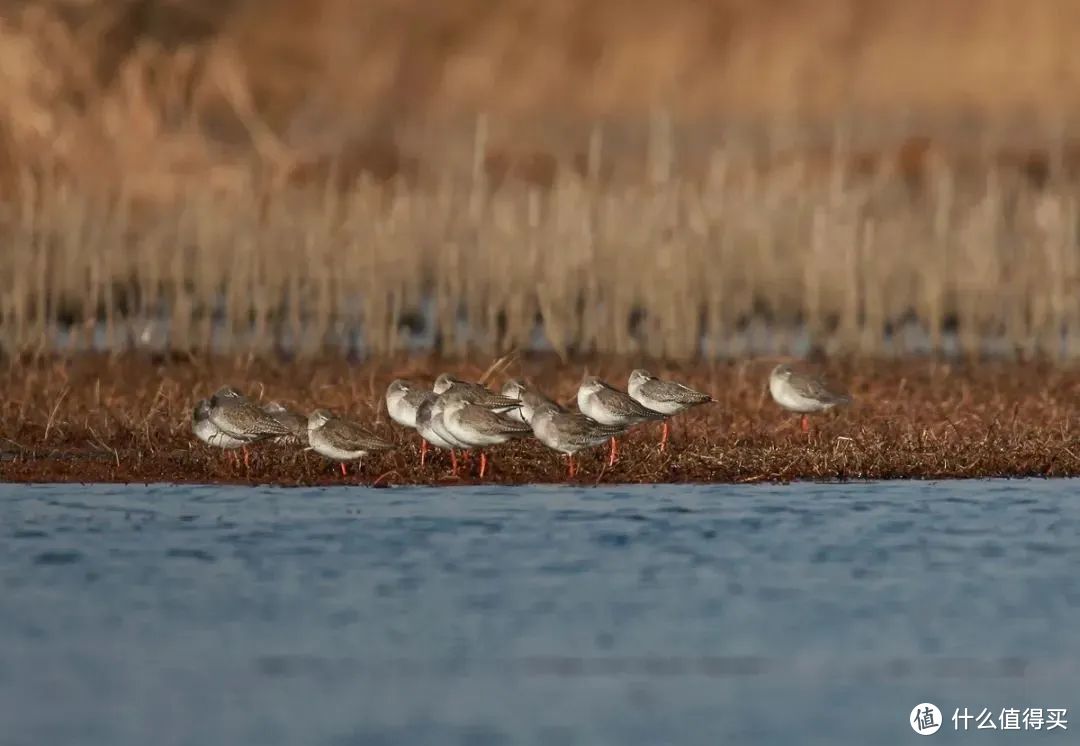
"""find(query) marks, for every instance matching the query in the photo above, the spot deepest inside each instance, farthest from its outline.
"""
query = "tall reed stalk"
(671, 266)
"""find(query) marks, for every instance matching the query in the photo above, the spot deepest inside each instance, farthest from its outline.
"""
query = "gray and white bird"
(341, 440)
(211, 434)
(530, 398)
(296, 422)
(803, 393)
(239, 417)
(477, 426)
(403, 401)
(474, 393)
(666, 397)
(429, 423)
(403, 398)
(569, 432)
(609, 406)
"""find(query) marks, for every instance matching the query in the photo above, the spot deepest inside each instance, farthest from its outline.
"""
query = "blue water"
(802, 614)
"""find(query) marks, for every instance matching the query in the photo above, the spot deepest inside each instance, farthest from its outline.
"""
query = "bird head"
(318, 418)
(443, 383)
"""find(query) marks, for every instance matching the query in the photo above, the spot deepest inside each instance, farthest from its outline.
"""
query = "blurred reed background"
(680, 180)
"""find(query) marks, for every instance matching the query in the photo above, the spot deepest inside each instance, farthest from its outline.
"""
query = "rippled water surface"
(625, 615)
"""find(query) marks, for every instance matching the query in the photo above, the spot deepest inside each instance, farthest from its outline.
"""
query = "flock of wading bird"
(461, 415)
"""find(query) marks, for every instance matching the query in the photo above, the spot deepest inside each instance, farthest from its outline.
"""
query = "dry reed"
(155, 195)
(673, 269)
(98, 418)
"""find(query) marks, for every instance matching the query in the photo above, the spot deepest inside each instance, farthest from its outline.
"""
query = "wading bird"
(569, 432)
(296, 422)
(803, 393)
(341, 440)
(239, 417)
(609, 406)
(403, 401)
(666, 397)
(477, 426)
(211, 434)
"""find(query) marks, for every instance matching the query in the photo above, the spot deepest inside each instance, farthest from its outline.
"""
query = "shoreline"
(366, 482)
(127, 420)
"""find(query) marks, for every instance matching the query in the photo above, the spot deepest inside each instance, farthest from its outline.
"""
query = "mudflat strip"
(128, 419)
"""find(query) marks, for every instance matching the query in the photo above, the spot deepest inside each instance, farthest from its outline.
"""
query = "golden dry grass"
(676, 269)
(662, 180)
(102, 419)
(159, 93)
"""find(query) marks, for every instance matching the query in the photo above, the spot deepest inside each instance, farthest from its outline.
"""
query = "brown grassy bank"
(127, 420)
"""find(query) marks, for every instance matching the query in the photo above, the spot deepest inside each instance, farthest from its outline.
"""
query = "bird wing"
(416, 397)
(669, 391)
(474, 393)
(623, 405)
(491, 400)
(295, 422)
(245, 419)
(580, 430)
(354, 437)
(486, 421)
(536, 400)
(813, 387)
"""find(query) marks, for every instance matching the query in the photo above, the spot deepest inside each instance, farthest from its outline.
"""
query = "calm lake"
(798, 614)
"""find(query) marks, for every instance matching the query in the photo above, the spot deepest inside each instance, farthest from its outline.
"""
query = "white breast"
(787, 397)
(545, 432)
(399, 409)
(438, 425)
(323, 447)
(663, 407)
(208, 433)
(468, 435)
(432, 436)
(590, 406)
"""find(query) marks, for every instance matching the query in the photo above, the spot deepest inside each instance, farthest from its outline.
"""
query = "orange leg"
(423, 451)
(570, 466)
(453, 462)
(614, 453)
(664, 437)
(805, 424)
(344, 470)
(483, 464)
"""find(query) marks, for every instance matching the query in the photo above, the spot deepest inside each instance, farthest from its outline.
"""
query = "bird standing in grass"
(211, 434)
(569, 432)
(609, 406)
(530, 397)
(666, 397)
(429, 423)
(477, 427)
(238, 417)
(403, 401)
(803, 393)
(296, 422)
(341, 440)
(474, 393)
